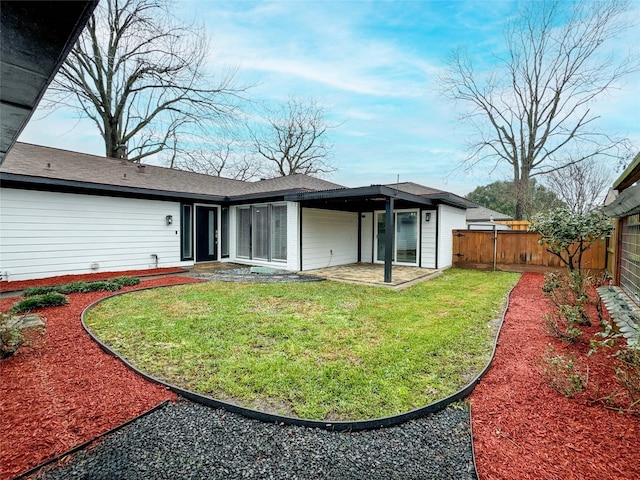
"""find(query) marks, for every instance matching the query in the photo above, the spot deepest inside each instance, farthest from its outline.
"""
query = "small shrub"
(73, 287)
(101, 286)
(31, 292)
(53, 299)
(568, 294)
(552, 283)
(112, 285)
(604, 339)
(628, 372)
(561, 373)
(557, 327)
(10, 336)
(126, 281)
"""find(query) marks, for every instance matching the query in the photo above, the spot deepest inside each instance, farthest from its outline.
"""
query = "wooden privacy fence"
(515, 251)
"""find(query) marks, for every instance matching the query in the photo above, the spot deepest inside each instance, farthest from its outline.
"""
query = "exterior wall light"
(169, 219)
(427, 216)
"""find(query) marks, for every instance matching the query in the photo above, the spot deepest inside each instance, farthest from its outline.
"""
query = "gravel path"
(190, 441)
(246, 274)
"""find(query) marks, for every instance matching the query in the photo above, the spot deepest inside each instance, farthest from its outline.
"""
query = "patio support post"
(388, 239)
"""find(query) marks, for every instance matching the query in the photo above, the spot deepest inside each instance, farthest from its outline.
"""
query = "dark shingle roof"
(482, 214)
(433, 193)
(414, 188)
(52, 163)
(290, 182)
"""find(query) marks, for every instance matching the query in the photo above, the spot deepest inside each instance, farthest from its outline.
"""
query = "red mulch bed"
(523, 429)
(88, 277)
(61, 389)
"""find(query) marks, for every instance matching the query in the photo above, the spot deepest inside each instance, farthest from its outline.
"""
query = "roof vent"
(141, 168)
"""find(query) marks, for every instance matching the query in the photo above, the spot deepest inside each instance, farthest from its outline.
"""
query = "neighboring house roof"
(432, 193)
(483, 214)
(414, 188)
(36, 164)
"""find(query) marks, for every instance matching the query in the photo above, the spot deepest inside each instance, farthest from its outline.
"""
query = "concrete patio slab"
(373, 274)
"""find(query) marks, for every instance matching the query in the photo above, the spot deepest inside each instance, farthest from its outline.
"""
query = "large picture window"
(262, 232)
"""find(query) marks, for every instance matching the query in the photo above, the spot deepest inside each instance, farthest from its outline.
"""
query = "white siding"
(328, 238)
(451, 218)
(47, 234)
(293, 236)
(366, 238)
(428, 246)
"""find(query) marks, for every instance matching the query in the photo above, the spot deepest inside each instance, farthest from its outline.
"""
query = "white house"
(64, 213)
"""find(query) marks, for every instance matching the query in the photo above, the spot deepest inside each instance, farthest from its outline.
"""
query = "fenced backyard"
(515, 251)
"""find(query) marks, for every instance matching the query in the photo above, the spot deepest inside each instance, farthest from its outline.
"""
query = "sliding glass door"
(262, 232)
(405, 237)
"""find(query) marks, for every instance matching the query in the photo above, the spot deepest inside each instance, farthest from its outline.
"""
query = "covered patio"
(373, 274)
(393, 215)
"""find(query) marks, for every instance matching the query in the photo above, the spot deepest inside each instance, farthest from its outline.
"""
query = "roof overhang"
(12, 180)
(625, 204)
(630, 175)
(370, 198)
(35, 39)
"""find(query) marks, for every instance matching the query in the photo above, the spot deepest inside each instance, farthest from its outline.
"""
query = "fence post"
(495, 247)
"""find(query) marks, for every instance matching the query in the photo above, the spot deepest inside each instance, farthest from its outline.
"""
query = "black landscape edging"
(341, 426)
(84, 445)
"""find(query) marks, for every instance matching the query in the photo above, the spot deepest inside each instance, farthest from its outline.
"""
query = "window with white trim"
(262, 232)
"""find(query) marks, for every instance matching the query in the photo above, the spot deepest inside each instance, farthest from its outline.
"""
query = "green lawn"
(320, 350)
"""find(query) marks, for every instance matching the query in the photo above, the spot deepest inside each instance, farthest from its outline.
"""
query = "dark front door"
(206, 234)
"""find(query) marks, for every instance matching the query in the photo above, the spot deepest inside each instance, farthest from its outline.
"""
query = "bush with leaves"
(126, 281)
(561, 373)
(568, 235)
(561, 327)
(51, 299)
(112, 285)
(628, 374)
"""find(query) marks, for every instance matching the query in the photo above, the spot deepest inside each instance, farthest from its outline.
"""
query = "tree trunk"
(522, 190)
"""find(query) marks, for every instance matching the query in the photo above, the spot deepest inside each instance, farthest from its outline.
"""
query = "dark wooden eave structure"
(626, 192)
(376, 197)
(35, 39)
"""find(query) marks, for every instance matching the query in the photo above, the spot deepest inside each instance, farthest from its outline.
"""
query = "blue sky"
(374, 66)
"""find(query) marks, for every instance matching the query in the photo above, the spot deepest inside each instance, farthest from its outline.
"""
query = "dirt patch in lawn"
(523, 429)
(61, 389)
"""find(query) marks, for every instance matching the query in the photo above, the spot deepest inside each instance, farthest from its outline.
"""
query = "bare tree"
(535, 105)
(139, 74)
(220, 160)
(581, 186)
(293, 139)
